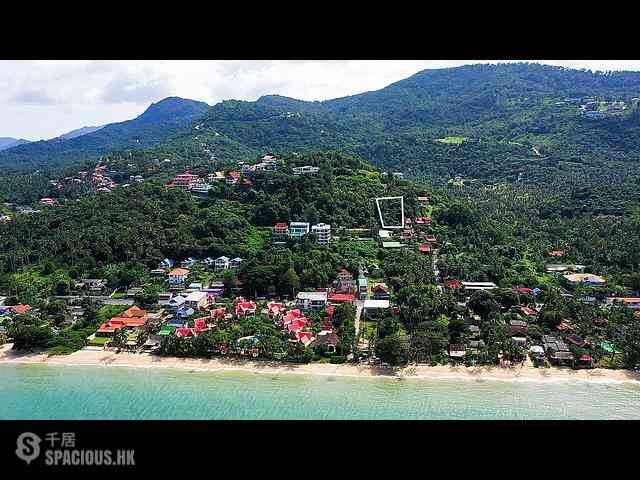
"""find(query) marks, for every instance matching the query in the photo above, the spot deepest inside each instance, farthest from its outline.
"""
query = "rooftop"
(375, 304)
(317, 296)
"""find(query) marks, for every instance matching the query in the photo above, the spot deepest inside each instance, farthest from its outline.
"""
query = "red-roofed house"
(297, 325)
(584, 361)
(244, 308)
(453, 284)
(184, 179)
(341, 298)
(425, 248)
(291, 316)
(305, 338)
(201, 325)
(557, 253)
(185, 332)
(431, 238)
(48, 201)
(275, 308)
(281, 231)
(380, 291)
(523, 290)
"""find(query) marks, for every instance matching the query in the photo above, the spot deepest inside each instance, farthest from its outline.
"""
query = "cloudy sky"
(43, 99)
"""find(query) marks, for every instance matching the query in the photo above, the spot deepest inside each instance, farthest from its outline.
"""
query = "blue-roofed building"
(166, 263)
(185, 312)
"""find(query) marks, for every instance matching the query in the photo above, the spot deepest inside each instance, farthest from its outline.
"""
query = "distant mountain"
(78, 132)
(8, 142)
(492, 122)
(159, 122)
(477, 120)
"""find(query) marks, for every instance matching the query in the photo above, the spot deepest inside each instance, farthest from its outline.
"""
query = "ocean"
(127, 393)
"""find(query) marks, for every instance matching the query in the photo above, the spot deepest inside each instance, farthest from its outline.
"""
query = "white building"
(371, 306)
(196, 300)
(200, 186)
(306, 170)
(221, 263)
(312, 300)
(472, 286)
(176, 302)
(323, 232)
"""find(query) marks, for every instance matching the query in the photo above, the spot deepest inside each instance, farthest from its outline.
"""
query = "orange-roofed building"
(130, 318)
(218, 313)
(184, 179)
(177, 276)
(21, 309)
(557, 253)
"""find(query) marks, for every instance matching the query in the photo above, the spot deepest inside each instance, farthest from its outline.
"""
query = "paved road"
(104, 299)
(359, 307)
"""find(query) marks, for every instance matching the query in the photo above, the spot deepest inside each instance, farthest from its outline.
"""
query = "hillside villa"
(586, 278)
(178, 276)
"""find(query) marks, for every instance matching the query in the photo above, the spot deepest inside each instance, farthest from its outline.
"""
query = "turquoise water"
(77, 392)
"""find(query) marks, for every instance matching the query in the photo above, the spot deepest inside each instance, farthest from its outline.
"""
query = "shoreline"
(441, 372)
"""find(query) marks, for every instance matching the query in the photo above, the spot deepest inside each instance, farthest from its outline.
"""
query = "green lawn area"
(454, 140)
(107, 312)
(99, 341)
(368, 328)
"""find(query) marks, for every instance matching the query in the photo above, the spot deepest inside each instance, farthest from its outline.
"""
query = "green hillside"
(159, 122)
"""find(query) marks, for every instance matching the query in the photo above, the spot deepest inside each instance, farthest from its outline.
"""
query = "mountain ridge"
(78, 132)
(10, 142)
(157, 123)
(499, 111)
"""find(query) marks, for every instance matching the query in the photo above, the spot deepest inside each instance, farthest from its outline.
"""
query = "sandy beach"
(124, 359)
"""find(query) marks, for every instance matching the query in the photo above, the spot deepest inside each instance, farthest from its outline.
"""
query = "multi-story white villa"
(323, 232)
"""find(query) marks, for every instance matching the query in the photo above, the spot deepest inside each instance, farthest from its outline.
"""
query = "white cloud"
(42, 99)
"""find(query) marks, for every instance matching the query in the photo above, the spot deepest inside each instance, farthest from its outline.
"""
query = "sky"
(44, 99)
